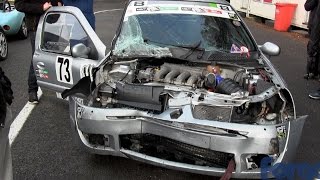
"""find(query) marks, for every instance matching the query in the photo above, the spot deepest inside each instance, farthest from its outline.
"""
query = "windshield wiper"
(146, 40)
(139, 58)
(192, 48)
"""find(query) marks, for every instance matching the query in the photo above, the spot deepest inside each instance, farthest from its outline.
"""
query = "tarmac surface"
(44, 148)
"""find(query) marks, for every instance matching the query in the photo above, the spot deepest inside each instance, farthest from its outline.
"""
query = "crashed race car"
(184, 86)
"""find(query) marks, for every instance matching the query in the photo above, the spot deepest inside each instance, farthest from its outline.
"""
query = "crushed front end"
(190, 117)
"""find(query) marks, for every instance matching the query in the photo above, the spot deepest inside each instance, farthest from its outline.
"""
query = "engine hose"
(228, 86)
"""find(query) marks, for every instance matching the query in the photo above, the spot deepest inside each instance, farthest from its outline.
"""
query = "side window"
(61, 32)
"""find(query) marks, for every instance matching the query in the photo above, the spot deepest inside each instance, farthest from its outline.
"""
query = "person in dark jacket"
(6, 97)
(311, 5)
(313, 48)
(312, 61)
(33, 10)
(86, 6)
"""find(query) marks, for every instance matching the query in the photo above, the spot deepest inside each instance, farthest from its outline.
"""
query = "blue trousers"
(86, 6)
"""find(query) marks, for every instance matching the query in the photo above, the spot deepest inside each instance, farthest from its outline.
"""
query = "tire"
(3, 46)
(23, 32)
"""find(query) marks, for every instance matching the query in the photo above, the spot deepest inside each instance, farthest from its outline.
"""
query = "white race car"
(184, 86)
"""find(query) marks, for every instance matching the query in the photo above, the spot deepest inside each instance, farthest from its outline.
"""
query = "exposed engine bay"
(219, 91)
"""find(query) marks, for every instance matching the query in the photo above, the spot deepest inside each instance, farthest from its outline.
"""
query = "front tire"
(3, 46)
(23, 32)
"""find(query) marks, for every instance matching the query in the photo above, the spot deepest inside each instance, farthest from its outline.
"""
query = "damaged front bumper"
(149, 137)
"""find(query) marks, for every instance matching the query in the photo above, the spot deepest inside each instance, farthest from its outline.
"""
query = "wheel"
(3, 46)
(23, 32)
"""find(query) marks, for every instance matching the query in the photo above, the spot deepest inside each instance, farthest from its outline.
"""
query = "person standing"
(86, 6)
(312, 60)
(313, 48)
(6, 97)
(33, 10)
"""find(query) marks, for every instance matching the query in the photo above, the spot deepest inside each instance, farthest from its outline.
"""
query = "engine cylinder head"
(178, 74)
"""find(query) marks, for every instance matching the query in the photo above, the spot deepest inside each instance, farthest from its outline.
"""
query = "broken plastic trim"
(147, 97)
(169, 149)
(82, 87)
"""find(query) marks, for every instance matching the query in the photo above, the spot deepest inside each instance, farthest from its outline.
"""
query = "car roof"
(206, 1)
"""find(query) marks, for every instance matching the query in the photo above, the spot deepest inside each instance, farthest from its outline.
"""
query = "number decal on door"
(64, 69)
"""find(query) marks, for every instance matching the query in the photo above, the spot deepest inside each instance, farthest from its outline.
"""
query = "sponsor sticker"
(233, 16)
(142, 9)
(186, 8)
(199, 10)
(42, 73)
(281, 132)
(80, 111)
(153, 8)
(235, 49)
(44, 76)
(139, 3)
(78, 100)
(169, 8)
(213, 5)
(214, 11)
(241, 50)
(225, 8)
(210, 9)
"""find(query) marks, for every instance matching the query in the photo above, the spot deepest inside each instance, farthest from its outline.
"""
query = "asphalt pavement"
(44, 148)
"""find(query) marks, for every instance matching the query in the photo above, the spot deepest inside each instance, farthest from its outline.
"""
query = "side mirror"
(270, 49)
(80, 50)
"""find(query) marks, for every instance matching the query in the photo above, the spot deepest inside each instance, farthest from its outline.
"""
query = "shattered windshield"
(151, 30)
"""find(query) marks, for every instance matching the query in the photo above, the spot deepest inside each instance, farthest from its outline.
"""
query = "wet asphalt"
(44, 148)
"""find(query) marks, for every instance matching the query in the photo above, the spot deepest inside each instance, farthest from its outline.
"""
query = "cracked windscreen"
(132, 41)
(152, 30)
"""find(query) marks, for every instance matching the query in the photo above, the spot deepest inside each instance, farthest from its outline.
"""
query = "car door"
(65, 45)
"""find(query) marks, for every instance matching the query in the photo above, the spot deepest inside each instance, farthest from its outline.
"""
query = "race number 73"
(64, 69)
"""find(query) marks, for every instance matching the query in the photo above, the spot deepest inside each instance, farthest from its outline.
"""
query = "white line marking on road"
(23, 115)
(108, 10)
(19, 121)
